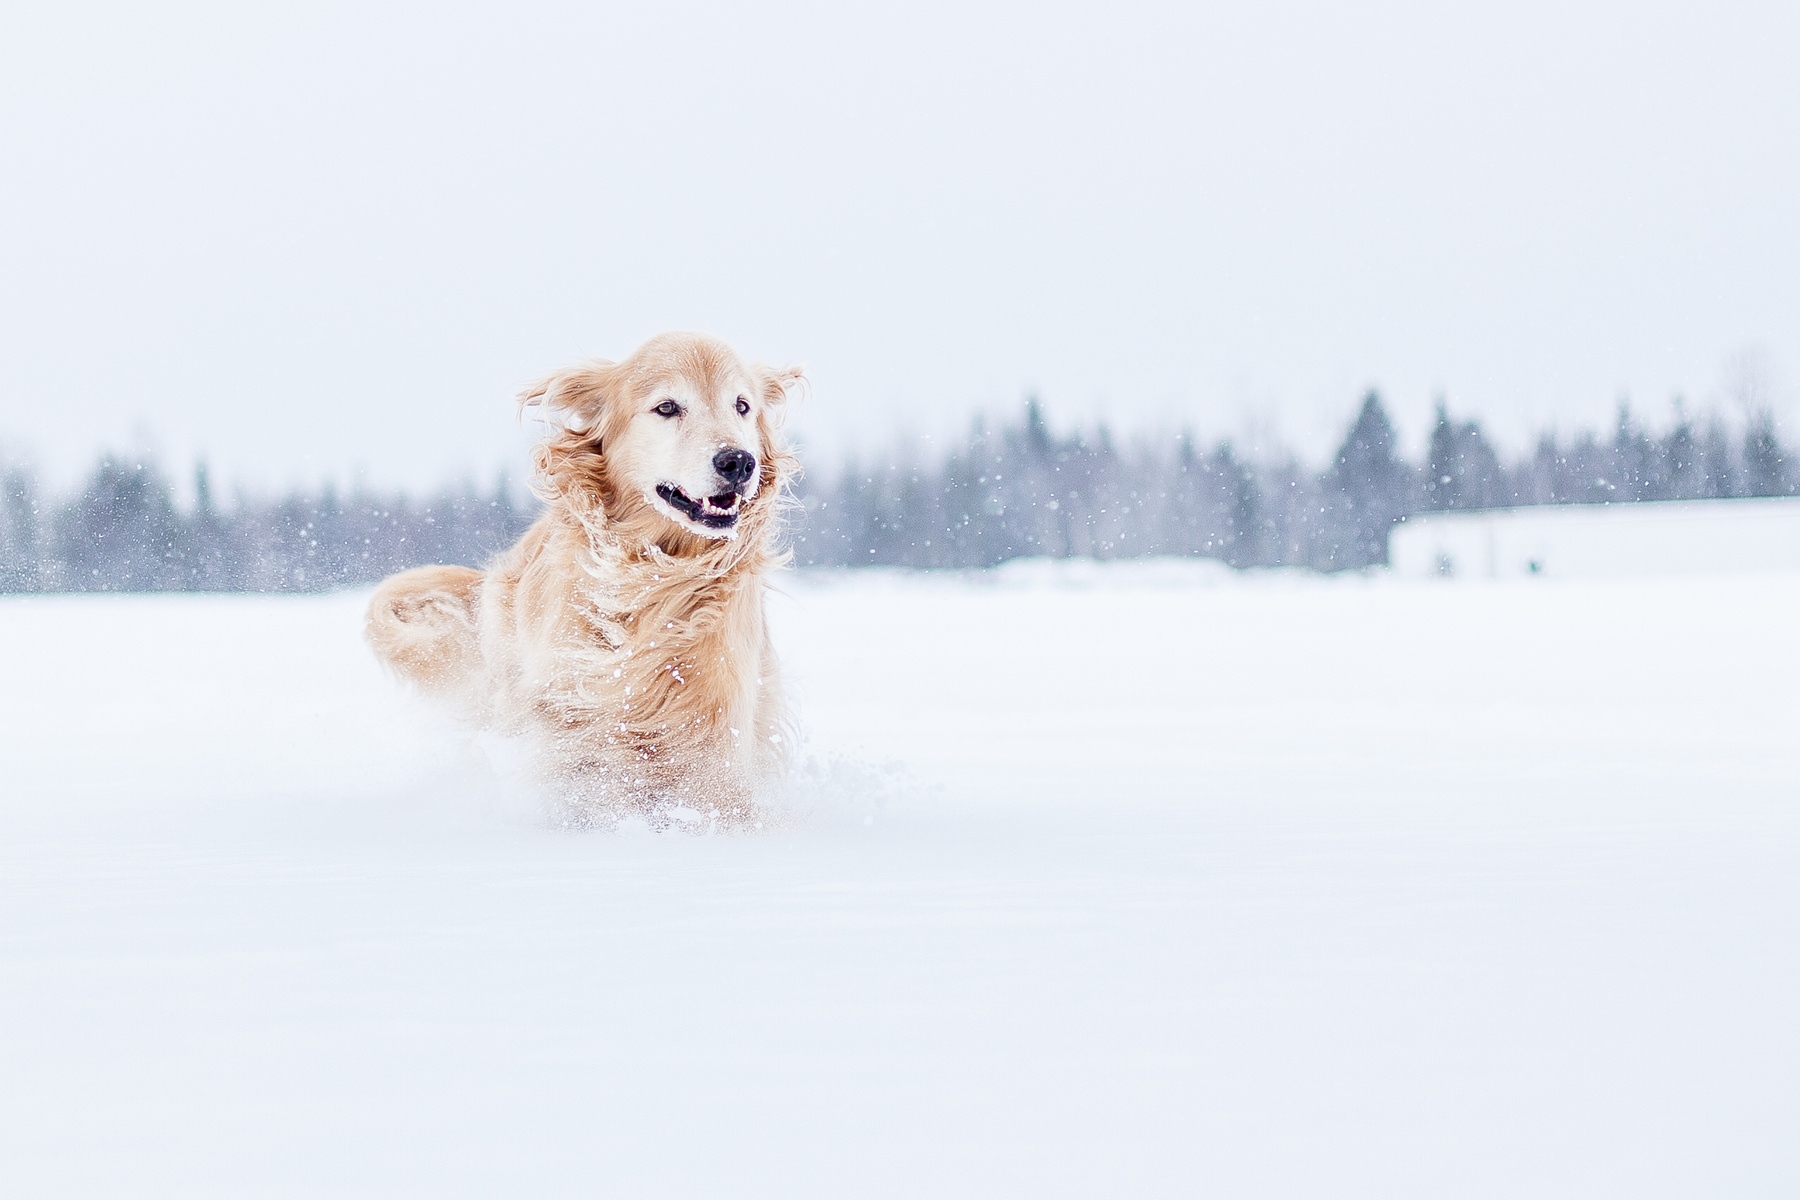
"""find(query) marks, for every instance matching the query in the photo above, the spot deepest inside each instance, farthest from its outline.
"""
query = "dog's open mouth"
(714, 512)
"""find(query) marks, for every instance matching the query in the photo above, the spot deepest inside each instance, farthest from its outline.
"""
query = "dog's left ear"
(776, 384)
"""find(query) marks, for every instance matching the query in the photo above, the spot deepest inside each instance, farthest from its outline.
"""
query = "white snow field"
(1141, 880)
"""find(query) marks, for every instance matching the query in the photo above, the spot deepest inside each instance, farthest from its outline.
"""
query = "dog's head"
(683, 430)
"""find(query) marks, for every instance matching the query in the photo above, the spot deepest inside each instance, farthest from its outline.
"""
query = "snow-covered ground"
(1132, 881)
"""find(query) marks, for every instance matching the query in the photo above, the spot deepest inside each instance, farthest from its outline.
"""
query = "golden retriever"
(625, 632)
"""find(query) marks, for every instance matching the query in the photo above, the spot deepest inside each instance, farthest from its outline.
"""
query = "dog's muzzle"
(714, 512)
(736, 468)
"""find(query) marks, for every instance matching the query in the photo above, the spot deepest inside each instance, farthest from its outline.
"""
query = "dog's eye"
(743, 407)
(668, 408)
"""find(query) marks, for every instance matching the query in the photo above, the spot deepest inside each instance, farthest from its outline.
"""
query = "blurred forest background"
(1011, 490)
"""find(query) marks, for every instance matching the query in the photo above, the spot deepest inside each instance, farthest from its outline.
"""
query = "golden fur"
(627, 641)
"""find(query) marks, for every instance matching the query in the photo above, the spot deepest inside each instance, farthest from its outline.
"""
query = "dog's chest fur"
(636, 657)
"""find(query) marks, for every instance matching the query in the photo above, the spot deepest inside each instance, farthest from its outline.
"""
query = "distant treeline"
(124, 532)
(1021, 490)
(1011, 491)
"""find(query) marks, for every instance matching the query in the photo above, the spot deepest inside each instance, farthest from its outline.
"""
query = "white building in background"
(1601, 541)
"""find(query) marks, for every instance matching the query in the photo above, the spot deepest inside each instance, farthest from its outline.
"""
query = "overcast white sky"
(332, 239)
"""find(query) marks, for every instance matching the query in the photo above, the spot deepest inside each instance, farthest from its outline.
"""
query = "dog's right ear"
(575, 398)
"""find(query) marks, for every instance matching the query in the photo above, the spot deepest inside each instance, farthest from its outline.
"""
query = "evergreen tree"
(1718, 468)
(1636, 464)
(1544, 477)
(1766, 467)
(122, 533)
(210, 560)
(1366, 490)
(1462, 470)
(22, 565)
(1236, 531)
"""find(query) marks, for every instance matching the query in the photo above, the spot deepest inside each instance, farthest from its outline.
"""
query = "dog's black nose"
(734, 466)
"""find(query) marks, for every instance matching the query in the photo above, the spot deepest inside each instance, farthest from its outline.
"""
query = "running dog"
(625, 634)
